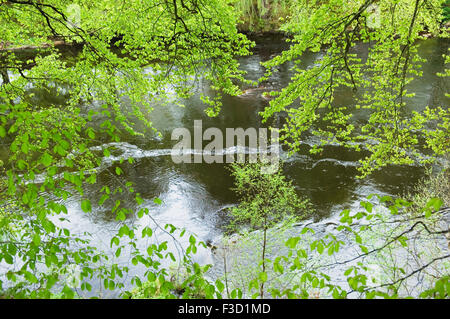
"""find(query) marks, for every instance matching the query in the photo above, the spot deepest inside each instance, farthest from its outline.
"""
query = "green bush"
(446, 11)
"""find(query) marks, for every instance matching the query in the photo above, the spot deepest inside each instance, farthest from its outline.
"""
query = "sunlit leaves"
(292, 242)
(441, 289)
(54, 142)
(86, 205)
(262, 276)
(115, 241)
(433, 205)
(147, 232)
(51, 155)
(377, 83)
(220, 286)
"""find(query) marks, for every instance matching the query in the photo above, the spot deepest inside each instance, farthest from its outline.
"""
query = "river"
(194, 195)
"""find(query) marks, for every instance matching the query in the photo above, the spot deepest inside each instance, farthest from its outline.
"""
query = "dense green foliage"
(446, 9)
(392, 131)
(307, 262)
(265, 199)
(263, 15)
(50, 158)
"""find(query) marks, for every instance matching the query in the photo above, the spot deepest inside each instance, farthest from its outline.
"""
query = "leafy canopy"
(381, 121)
(138, 50)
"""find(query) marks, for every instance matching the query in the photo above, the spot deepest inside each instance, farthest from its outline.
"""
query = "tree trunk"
(226, 271)
(261, 288)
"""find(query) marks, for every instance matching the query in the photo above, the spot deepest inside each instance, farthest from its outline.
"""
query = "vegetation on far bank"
(259, 16)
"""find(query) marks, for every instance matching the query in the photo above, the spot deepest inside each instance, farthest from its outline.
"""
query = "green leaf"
(348, 271)
(278, 267)
(46, 159)
(436, 203)
(103, 199)
(36, 239)
(253, 284)
(292, 242)
(8, 258)
(220, 286)
(86, 205)
(24, 147)
(51, 281)
(91, 133)
(124, 230)
(115, 241)
(364, 249)
(30, 277)
(147, 231)
(320, 248)
(151, 277)
(262, 276)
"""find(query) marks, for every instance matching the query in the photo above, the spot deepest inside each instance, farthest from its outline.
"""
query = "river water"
(194, 195)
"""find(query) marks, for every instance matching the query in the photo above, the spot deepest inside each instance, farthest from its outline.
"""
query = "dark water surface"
(328, 179)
